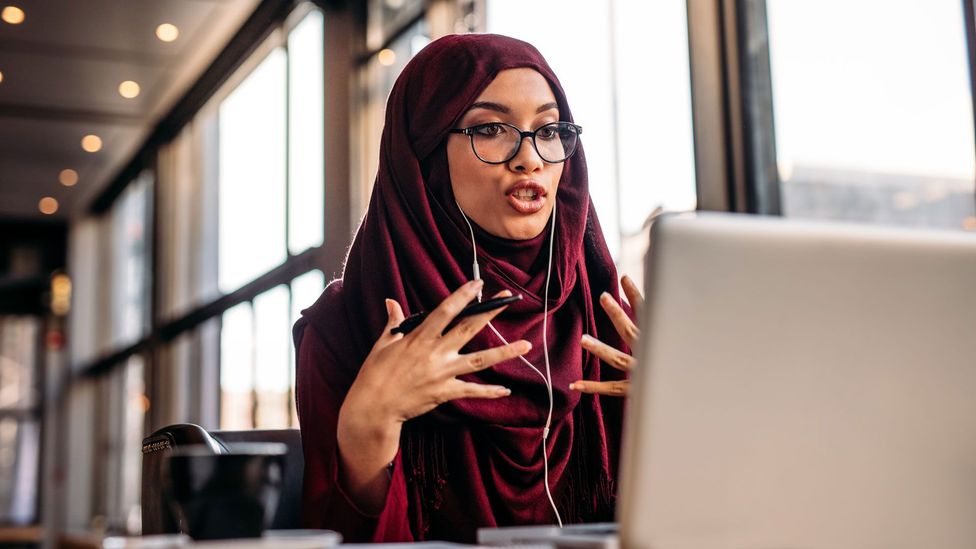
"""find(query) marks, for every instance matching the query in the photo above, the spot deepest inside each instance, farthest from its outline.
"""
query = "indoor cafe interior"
(180, 179)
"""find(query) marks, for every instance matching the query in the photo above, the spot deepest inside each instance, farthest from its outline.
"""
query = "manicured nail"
(475, 285)
(503, 391)
(389, 307)
(606, 295)
(587, 338)
(503, 293)
(574, 386)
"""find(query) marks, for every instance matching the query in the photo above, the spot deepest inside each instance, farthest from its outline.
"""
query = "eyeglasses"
(498, 142)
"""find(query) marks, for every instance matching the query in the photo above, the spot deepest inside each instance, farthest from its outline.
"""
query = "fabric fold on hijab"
(414, 246)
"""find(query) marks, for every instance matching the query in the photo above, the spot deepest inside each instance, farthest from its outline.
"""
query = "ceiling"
(61, 69)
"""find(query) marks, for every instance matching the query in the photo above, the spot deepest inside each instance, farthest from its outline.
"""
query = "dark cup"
(233, 494)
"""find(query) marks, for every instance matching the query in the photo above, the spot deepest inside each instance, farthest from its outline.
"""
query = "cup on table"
(233, 494)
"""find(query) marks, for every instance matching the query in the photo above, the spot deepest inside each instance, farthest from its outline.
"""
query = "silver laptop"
(803, 384)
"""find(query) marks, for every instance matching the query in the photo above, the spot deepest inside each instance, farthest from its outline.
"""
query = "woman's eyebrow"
(490, 106)
(505, 110)
(546, 107)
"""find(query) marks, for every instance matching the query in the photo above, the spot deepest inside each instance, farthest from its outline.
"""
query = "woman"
(430, 436)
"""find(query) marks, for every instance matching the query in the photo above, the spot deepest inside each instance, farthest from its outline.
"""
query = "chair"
(156, 515)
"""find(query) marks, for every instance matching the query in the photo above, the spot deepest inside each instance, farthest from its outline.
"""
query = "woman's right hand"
(407, 376)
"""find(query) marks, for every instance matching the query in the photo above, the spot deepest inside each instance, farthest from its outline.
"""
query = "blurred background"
(179, 178)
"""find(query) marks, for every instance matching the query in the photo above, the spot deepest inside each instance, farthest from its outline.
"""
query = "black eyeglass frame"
(470, 131)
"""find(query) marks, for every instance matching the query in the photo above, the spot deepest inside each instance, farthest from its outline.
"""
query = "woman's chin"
(523, 230)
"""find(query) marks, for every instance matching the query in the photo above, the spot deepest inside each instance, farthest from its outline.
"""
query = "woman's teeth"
(525, 194)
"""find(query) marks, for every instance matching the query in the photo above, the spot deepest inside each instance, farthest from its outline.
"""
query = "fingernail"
(573, 386)
(503, 391)
(587, 338)
(389, 306)
(527, 345)
(475, 285)
(503, 293)
(606, 295)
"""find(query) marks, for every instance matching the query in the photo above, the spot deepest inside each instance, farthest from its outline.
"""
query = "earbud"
(547, 377)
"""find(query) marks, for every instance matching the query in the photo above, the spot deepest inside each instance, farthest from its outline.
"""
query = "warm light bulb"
(13, 15)
(167, 32)
(91, 143)
(129, 89)
(68, 177)
(1, 76)
(47, 205)
(387, 57)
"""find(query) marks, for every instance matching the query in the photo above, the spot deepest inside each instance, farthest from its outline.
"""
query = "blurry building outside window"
(873, 111)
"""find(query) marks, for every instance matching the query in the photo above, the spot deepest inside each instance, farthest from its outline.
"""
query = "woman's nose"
(526, 158)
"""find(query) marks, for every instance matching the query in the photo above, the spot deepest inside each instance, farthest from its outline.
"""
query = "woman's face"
(514, 199)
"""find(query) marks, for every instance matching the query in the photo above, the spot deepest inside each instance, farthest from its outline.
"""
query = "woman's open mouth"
(526, 197)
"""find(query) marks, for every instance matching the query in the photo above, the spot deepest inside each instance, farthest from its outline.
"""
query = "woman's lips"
(526, 197)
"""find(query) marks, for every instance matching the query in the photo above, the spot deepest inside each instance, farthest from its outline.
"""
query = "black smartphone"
(478, 307)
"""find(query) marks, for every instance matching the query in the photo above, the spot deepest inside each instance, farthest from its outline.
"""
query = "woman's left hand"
(614, 357)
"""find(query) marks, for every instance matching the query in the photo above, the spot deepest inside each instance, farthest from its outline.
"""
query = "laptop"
(802, 384)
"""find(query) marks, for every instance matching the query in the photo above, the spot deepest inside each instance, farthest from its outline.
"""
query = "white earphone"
(547, 377)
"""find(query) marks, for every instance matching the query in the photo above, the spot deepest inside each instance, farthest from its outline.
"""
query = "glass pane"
(237, 368)
(306, 134)
(871, 125)
(19, 461)
(386, 16)
(584, 69)
(378, 79)
(130, 259)
(187, 213)
(134, 416)
(252, 175)
(305, 289)
(655, 146)
(272, 380)
(18, 361)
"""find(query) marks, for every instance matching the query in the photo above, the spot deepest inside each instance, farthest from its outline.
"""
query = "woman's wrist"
(367, 425)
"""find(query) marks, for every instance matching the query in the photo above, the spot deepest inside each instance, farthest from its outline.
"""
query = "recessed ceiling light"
(13, 15)
(47, 205)
(129, 89)
(387, 57)
(68, 177)
(167, 32)
(91, 143)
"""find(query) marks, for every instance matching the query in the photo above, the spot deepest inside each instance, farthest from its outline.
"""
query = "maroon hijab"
(414, 247)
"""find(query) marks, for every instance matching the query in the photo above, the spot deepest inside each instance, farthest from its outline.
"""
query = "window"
(271, 187)
(20, 434)
(624, 69)
(873, 111)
